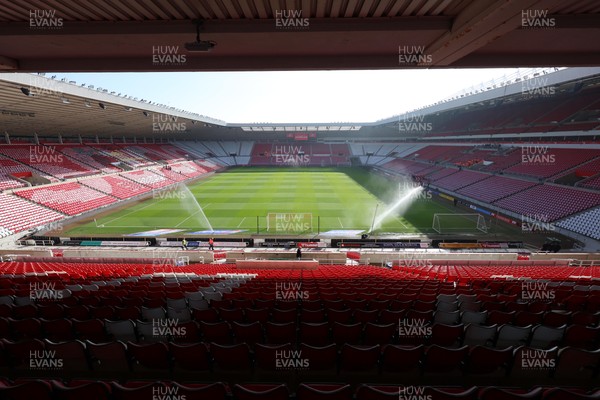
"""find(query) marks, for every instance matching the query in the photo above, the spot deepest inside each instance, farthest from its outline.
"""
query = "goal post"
(457, 223)
(287, 222)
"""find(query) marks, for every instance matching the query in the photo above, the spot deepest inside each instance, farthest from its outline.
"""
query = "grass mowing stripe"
(342, 197)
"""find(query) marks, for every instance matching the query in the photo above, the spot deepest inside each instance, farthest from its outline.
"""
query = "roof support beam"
(7, 63)
(479, 24)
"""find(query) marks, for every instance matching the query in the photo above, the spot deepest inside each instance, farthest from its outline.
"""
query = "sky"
(295, 96)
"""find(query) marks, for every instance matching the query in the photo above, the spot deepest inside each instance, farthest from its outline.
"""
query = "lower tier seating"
(69, 198)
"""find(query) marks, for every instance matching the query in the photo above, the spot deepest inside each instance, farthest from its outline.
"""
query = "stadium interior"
(449, 252)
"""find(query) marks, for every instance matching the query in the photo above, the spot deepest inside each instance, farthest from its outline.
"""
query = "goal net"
(459, 223)
(289, 222)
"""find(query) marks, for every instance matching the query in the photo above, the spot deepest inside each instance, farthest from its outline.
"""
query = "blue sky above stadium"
(296, 96)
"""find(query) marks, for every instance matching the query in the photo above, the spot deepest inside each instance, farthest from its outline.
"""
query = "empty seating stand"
(69, 198)
(104, 330)
(116, 186)
(17, 214)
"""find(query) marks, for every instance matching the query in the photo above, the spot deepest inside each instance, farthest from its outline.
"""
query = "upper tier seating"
(459, 180)
(437, 153)
(300, 153)
(120, 152)
(407, 167)
(158, 152)
(90, 156)
(544, 162)
(546, 113)
(48, 159)
(70, 198)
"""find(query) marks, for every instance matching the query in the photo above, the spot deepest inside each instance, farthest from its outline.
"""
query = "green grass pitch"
(337, 198)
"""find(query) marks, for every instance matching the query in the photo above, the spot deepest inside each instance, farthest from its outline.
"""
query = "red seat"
(443, 360)
(209, 315)
(72, 356)
(585, 337)
(85, 390)
(253, 391)
(361, 360)
(217, 332)
(79, 312)
(487, 361)
(18, 353)
(496, 393)
(390, 316)
(370, 392)
(51, 311)
(149, 358)
(346, 333)
(343, 316)
(108, 359)
(364, 316)
(556, 319)
(575, 365)
(315, 334)
(257, 314)
(283, 316)
(248, 333)
(199, 391)
(323, 392)
(127, 312)
(280, 333)
(231, 362)
(446, 335)
(194, 357)
(569, 394)
(500, 317)
(139, 390)
(312, 316)
(524, 318)
(402, 361)
(275, 361)
(32, 389)
(102, 312)
(231, 314)
(322, 361)
(90, 329)
(58, 329)
(379, 334)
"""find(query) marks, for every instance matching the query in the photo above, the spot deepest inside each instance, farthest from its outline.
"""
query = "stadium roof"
(128, 35)
(31, 103)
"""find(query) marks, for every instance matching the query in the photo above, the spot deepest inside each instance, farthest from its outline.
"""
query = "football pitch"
(276, 201)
